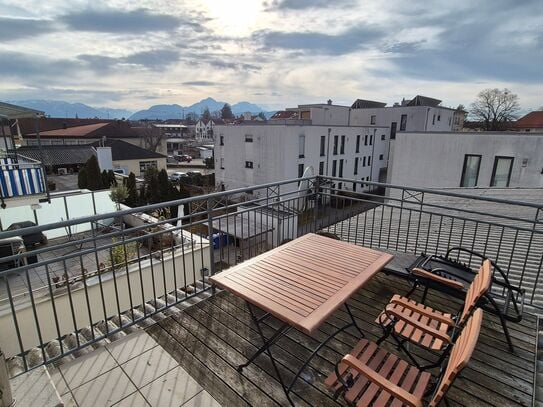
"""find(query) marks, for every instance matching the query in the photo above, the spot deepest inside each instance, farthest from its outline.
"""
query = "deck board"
(212, 337)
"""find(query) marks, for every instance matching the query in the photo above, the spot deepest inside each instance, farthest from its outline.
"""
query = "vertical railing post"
(6, 399)
(210, 239)
(316, 185)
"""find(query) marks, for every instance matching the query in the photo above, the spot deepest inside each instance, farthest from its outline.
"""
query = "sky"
(276, 53)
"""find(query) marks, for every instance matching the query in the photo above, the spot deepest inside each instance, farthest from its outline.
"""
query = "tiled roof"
(121, 150)
(77, 131)
(58, 155)
(366, 104)
(531, 120)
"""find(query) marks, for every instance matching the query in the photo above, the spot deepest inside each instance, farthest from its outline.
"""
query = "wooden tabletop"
(303, 281)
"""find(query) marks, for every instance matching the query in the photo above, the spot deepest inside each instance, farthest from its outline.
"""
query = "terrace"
(196, 335)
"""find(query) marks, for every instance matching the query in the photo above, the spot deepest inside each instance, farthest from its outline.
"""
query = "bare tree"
(152, 137)
(495, 108)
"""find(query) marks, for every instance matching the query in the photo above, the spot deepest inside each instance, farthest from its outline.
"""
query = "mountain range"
(58, 108)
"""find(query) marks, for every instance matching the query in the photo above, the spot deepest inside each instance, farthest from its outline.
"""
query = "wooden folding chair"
(372, 376)
(409, 321)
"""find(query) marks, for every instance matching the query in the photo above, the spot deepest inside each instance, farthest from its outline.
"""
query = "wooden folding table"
(301, 283)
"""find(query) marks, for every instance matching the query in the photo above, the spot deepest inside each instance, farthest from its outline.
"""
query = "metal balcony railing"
(127, 269)
(21, 176)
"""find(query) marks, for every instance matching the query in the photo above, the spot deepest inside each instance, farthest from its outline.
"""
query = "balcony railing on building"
(130, 266)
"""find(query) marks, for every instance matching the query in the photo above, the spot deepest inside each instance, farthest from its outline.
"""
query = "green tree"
(82, 181)
(132, 198)
(152, 192)
(164, 189)
(118, 194)
(94, 179)
(226, 112)
(209, 163)
(262, 115)
(111, 178)
(206, 115)
(105, 179)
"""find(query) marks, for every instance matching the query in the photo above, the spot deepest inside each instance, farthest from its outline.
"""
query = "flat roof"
(9, 111)
(240, 227)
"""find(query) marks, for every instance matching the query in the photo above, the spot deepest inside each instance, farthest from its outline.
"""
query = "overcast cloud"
(275, 53)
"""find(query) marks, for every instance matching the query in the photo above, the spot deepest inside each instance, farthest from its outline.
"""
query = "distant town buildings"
(203, 129)
(532, 122)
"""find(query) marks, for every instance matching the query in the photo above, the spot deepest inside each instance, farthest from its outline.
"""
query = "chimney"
(329, 102)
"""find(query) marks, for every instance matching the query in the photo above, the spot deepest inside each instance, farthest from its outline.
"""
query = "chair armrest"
(382, 382)
(438, 279)
(420, 309)
(417, 324)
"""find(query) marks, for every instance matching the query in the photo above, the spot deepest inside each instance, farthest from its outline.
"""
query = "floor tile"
(131, 346)
(172, 389)
(202, 399)
(146, 367)
(34, 388)
(58, 380)
(134, 400)
(87, 367)
(104, 390)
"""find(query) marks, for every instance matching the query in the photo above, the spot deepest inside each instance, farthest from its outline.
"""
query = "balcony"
(22, 181)
(76, 308)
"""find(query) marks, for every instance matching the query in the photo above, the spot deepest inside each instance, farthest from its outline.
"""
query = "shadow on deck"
(212, 337)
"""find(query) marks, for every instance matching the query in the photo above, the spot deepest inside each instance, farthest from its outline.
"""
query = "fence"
(79, 289)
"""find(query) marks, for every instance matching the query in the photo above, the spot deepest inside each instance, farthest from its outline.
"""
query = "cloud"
(156, 60)
(200, 83)
(121, 21)
(17, 28)
(349, 41)
(35, 68)
(305, 4)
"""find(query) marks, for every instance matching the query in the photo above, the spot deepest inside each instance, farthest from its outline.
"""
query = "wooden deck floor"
(212, 337)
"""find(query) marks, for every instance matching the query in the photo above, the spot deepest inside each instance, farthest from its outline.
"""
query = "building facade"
(257, 154)
(476, 159)
(203, 130)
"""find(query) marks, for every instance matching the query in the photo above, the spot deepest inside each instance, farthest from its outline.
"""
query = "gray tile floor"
(134, 371)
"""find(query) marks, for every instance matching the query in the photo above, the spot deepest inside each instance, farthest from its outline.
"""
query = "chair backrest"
(459, 356)
(478, 287)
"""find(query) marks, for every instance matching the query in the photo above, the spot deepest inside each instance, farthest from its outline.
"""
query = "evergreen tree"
(111, 178)
(94, 179)
(262, 115)
(163, 186)
(105, 179)
(226, 112)
(152, 192)
(132, 199)
(82, 178)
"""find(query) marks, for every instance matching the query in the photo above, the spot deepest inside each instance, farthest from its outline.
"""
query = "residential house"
(204, 129)
(532, 122)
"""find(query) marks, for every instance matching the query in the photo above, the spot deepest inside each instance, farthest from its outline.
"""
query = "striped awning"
(20, 179)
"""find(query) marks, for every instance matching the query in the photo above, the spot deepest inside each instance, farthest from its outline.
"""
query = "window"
(449, 121)
(248, 164)
(403, 124)
(335, 144)
(381, 157)
(373, 119)
(340, 168)
(369, 160)
(222, 163)
(434, 119)
(301, 146)
(300, 170)
(383, 137)
(145, 165)
(470, 170)
(501, 173)
(354, 186)
(248, 138)
(438, 117)
(222, 141)
(393, 127)
(366, 140)
(371, 139)
(334, 165)
(323, 145)
(358, 143)
(342, 148)
(321, 168)
(340, 185)
(363, 161)
(355, 165)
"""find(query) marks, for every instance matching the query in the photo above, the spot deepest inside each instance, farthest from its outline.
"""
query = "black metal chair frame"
(513, 298)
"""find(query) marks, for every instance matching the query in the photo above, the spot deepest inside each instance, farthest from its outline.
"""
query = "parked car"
(176, 176)
(171, 160)
(31, 239)
(194, 173)
(8, 247)
(184, 157)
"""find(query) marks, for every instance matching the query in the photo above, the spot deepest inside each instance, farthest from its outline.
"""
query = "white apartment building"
(248, 155)
(467, 159)
(418, 114)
